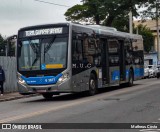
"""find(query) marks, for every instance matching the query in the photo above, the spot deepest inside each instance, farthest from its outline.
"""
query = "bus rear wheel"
(92, 85)
(47, 96)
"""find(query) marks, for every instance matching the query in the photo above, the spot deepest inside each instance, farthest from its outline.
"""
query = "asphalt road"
(137, 104)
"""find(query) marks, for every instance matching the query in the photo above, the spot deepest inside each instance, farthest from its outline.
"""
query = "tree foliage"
(102, 11)
(121, 23)
(2, 46)
(91, 12)
(115, 13)
(148, 38)
(151, 9)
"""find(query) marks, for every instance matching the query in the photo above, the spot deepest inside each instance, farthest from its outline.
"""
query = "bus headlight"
(63, 78)
(20, 80)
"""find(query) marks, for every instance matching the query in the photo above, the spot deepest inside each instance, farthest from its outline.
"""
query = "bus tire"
(130, 81)
(47, 96)
(92, 85)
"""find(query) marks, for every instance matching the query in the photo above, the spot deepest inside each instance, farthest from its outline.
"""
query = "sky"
(15, 14)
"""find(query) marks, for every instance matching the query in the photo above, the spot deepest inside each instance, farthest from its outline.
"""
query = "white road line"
(150, 130)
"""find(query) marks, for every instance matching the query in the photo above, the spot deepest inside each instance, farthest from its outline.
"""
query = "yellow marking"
(49, 66)
(97, 71)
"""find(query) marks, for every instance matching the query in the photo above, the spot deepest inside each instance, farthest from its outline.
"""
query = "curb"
(16, 97)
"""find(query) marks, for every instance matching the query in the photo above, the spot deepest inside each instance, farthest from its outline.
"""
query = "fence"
(9, 66)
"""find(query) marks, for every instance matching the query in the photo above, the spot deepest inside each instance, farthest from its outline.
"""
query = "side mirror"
(19, 48)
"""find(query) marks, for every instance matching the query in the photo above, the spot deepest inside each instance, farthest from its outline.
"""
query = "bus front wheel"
(47, 96)
(92, 85)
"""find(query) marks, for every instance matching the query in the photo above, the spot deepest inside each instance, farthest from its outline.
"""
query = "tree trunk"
(109, 21)
(97, 19)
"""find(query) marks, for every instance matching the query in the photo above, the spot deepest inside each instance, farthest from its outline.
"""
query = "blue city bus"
(70, 58)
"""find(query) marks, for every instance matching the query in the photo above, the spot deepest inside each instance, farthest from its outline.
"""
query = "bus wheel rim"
(92, 85)
(131, 79)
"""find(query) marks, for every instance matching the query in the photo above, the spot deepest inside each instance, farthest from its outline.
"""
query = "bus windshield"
(42, 54)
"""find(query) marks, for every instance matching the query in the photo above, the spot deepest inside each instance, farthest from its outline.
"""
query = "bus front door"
(105, 62)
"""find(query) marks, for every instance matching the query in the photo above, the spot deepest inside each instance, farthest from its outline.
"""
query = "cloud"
(15, 14)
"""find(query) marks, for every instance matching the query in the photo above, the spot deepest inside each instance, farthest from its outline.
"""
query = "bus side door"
(114, 61)
(122, 61)
(105, 61)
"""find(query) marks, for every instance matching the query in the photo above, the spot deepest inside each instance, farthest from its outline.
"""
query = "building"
(151, 58)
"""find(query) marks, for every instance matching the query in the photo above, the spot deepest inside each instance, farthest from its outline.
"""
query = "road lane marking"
(78, 102)
(40, 112)
(150, 130)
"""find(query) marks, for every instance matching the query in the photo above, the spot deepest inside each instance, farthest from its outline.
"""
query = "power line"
(51, 3)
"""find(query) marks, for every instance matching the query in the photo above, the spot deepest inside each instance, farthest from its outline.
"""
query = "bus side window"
(138, 59)
(92, 50)
(88, 50)
(138, 51)
(113, 49)
(77, 50)
(128, 52)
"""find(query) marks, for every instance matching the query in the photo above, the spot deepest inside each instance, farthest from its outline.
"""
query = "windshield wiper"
(37, 51)
(35, 60)
(49, 45)
(46, 48)
(35, 47)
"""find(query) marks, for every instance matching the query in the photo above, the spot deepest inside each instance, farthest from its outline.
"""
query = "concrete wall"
(9, 66)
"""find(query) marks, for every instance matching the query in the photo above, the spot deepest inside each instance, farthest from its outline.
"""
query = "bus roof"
(97, 28)
(109, 31)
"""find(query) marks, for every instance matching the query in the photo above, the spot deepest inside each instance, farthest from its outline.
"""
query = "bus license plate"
(40, 91)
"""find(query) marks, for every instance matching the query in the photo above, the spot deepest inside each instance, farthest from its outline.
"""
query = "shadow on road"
(74, 96)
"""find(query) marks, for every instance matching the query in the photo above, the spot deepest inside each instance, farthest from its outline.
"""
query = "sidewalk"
(13, 96)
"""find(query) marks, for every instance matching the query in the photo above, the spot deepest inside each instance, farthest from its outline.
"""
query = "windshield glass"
(43, 54)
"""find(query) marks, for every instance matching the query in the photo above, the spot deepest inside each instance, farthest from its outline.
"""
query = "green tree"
(152, 9)
(91, 11)
(102, 11)
(148, 38)
(2, 46)
(121, 23)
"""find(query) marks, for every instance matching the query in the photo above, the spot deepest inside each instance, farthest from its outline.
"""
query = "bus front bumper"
(55, 88)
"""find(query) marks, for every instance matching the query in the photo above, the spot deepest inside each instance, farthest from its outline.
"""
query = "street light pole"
(130, 22)
(157, 26)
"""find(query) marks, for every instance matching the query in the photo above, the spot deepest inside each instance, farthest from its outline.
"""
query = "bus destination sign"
(47, 31)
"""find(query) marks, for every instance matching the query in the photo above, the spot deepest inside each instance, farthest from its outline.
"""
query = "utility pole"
(157, 26)
(137, 30)
(130, 22)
